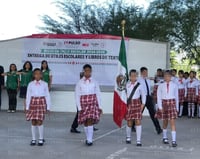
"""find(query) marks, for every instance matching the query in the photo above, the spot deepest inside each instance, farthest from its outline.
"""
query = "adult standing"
(1, 82)
(145, 82)
(46, 73)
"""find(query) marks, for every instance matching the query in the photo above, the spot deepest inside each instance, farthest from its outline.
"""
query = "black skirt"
(23, 91)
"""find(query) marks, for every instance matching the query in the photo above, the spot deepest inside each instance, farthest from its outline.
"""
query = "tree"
(79, 17)
(176, 21)
(180, 23)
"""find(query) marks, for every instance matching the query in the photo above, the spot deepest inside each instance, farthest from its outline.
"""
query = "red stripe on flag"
(119, 109)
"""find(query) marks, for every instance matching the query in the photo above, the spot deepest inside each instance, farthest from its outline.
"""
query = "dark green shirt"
(26, 77)
(12, 80)
(45, 76)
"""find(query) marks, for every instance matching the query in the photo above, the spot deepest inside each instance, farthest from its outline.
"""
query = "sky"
(21, 17)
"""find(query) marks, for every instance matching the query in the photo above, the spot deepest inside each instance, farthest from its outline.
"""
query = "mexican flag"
(120, 98)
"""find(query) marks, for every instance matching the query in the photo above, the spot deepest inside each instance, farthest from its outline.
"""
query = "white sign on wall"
(66, 55)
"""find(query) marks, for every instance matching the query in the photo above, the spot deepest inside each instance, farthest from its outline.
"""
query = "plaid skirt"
(169, 110)
(37, 109)
(191, 95)
(155, 88)
(181, 95)
(134, 110)
(89, 109)
(198, 99)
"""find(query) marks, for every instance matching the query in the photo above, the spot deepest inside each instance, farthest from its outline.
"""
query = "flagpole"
(123, 22)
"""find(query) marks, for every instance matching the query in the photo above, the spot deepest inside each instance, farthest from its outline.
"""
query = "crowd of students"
(18, 80)
(170, 95)
(188, 90)
(34, 86)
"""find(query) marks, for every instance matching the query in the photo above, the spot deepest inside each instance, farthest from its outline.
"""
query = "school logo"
(72, 44)
(121, 82)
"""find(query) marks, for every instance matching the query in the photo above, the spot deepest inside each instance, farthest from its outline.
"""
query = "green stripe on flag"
(122, 55)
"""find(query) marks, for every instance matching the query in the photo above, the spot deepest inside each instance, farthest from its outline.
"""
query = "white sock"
(90, 133)
(192, 110)
(164, 133)
(181, 110)
(128, 131)
(173, 135)
(138, 133)
(33, 131)
(189, 112)
(86, 132)
(41, 132)
(156, 107)
(199, 111)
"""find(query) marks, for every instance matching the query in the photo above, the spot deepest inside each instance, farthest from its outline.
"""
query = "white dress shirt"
(87, 87)
(138, 93)
(181, 83)
(198, 86)
(192, 83)
(172, 93)
(159, 80)
(37, 89)
(174, 79)
(141, 80)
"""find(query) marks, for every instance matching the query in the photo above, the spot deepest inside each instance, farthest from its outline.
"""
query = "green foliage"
(176, 21)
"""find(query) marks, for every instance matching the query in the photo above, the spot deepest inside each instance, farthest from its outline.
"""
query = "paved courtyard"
(109, 141)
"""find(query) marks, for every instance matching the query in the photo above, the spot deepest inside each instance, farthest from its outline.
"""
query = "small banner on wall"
(66, 55)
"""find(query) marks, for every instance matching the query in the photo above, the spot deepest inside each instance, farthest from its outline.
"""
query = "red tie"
(191, 81)
(181, 81)
(167, 87)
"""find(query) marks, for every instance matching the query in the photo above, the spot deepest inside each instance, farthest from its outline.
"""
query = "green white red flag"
(120, 97)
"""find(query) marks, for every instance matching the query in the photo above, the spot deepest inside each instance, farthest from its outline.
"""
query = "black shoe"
(174, 144)
(139, 144)
(95, 129)
(165, 141)
(159, 131)
(180, 116)
(74, 131)
(41, 142)
(33, 142)
(128, 140)
(88, 143)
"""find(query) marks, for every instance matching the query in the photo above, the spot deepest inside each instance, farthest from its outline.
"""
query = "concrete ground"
(109, 141)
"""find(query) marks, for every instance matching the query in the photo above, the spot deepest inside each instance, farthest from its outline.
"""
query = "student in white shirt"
(88, 101)
(198, 99)
(145, 82)
(37, 104)
(135, 107)
(168, 104)
(192, 93)
(182, 91)
(174, 77)
(157, 80)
